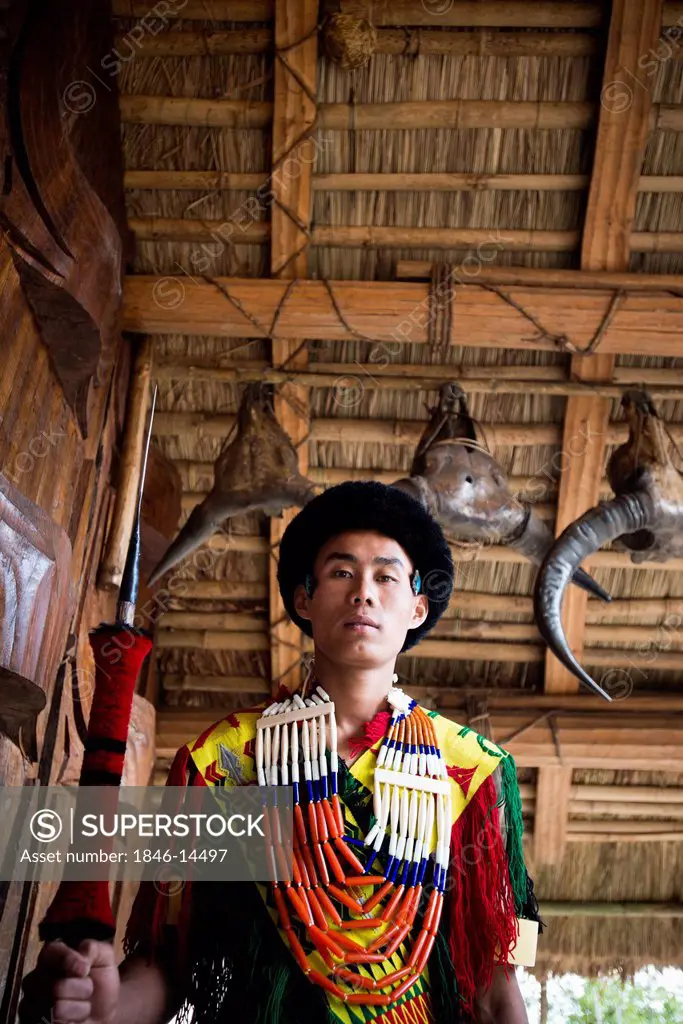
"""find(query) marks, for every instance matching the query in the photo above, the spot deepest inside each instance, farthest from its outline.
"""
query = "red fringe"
(373, 731)
(480, 902)
(145, 927)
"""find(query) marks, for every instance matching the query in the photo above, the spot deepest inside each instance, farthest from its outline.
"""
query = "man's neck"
(358, 694)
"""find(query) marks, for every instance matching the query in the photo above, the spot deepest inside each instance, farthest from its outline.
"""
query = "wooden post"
(294, 113)
(114, 561)
(623, 125)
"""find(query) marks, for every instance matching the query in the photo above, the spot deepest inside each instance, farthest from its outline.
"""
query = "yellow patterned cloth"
(223, 755)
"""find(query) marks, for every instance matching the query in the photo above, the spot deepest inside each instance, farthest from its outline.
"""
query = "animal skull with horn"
(464, 487)
(257, 470)
(644, 518)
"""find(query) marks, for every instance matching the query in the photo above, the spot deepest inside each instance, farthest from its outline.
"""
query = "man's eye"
(386, 577)
(335, 571)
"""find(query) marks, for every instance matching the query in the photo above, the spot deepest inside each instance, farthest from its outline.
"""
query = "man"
(367, 572)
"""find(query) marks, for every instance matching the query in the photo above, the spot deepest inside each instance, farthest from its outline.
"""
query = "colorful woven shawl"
(223, 943)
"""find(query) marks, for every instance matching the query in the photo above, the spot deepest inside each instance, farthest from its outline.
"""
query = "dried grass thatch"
(649, 871)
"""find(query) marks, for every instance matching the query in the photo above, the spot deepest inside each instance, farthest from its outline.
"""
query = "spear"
(82, 909)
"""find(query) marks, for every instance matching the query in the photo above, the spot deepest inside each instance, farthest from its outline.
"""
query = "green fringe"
(514, 827)
(443, 986)
(286, 991)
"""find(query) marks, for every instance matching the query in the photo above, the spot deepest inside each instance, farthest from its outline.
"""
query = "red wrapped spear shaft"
(82, 909)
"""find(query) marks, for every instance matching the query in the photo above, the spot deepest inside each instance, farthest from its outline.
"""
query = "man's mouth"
(361, 624)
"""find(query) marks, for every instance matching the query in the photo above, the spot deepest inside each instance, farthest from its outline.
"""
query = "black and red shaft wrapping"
(82, 909)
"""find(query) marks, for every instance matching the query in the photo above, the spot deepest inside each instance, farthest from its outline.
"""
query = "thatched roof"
(642, 872)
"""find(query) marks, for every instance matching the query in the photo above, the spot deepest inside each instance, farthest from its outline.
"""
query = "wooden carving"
(61, 206)
(36, 605)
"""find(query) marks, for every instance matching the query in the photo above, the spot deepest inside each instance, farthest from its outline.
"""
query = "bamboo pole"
(581, 908)
(199, 10)
(482, 43)
(487, 13)
(169, 229)
(444, 182)
(230, 622)
(118, 540)
(629, 794)
(546, 277)
(652, 798)
(420, 41)
(592, 809)
(204, 113)
(412, 182)
(656, 241)
(466, 13)
(513, 380)
(378, 237)
(407, 115)
(211, 640)
(195, 180)
(637, 836)
(407, 432)
(208, 43)
(216, 684)
(595, 809)
(170, 110)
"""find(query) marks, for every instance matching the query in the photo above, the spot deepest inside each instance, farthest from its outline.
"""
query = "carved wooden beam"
(62, 207)
(396, 312)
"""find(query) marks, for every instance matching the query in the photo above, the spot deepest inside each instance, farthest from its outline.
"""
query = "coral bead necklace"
(410, 837)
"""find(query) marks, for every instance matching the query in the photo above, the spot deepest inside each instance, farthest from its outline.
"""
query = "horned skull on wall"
(257, 470)
(644, 518)
(464, 487)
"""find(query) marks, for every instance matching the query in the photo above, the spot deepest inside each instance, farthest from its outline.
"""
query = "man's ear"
(420, 611)
(301, 602)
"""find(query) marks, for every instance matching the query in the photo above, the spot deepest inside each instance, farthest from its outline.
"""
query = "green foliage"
(609, 1001)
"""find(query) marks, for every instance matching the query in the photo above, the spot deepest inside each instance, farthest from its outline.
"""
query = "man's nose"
(363, 591)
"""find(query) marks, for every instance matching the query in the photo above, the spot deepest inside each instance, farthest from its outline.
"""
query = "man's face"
(361, 573)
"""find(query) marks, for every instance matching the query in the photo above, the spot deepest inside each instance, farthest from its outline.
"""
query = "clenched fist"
(75, 986)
